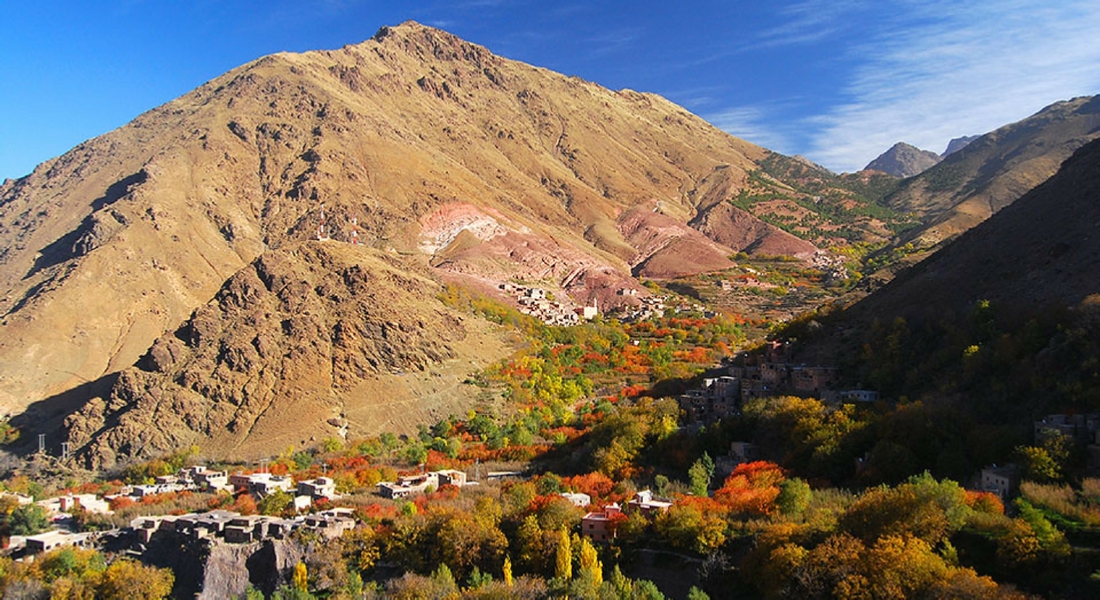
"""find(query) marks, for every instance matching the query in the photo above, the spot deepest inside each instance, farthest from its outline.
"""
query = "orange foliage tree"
(751, 488)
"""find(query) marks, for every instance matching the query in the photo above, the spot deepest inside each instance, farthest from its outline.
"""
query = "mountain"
(958, 144)
(991, 172)
(1041, 251)
(190, 279)
(903, 160)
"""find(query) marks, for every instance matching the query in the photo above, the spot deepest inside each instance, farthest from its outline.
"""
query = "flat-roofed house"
(58, 538)
(600, 526)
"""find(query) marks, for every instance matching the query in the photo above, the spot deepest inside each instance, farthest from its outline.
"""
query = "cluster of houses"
(306, 492)
(534, 301)
(419, 484)
(1082, 429)
(200, 478)
(599, 526)
(746, 281)
(648, 307)
(768, 374)
(833, 266)
(235, 528)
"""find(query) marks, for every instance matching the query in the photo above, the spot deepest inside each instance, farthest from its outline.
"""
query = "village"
(540, 304)
(719, 396)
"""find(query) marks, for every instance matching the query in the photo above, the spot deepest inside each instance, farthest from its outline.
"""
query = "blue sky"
(838, 81)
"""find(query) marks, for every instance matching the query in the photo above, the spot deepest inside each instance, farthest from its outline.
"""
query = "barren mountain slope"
(994, 170)
(466, 164)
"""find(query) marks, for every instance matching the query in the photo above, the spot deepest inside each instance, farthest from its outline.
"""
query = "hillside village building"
(418, 484)
(740, 453)
(1004, 481)
(317, 489)
(20, 499)
(64, 504)
(1080, 428)
(598, 526)
(255, 528)
(58, 538)
(577, 499)
(261, 484)
(648, 504)
(716, 399)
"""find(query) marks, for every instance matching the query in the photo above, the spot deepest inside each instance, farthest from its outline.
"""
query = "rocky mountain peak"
(958, 144)
(904, 160)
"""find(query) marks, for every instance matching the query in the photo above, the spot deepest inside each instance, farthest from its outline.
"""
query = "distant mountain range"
(991, 172)
(1042, 250)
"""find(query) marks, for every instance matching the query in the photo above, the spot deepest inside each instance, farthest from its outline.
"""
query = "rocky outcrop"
(668, 248)
(208, 569)
(283, 348)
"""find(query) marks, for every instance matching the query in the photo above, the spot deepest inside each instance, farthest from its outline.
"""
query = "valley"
(451, 325)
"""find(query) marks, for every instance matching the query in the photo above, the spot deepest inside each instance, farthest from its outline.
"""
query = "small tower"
(590, 312)
(354, 240)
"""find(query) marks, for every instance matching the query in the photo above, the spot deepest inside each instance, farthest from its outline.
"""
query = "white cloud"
(748, 123)
(944, 69)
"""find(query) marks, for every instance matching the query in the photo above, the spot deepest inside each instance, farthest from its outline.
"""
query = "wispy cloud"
(750, 123)
(613, 41)
(697, 97)
(943, 69)
(809, 21)
(804, 22)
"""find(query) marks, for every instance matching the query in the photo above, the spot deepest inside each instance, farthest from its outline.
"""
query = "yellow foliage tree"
(301, 577)
(590, 563)
(130, 580)
(563, 557)
(508, 571)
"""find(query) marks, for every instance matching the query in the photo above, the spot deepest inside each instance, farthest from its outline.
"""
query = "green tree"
(28, 519)
(275, 503)
(794, 496)
(660, 485)
(698, 478)
(697, 594)
(444, 580)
